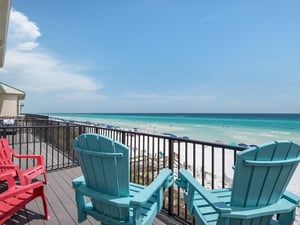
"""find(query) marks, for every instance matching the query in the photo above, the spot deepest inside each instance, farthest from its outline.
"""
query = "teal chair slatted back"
(258, 192)
(105, 166)
(263, 173)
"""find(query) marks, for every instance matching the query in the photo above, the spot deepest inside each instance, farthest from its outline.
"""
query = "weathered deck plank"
(61, 203)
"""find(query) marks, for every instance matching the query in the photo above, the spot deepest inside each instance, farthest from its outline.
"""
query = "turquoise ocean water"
(226, 128)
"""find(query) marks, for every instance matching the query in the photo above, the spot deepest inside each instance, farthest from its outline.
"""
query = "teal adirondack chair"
(105, 181)
(258, 194)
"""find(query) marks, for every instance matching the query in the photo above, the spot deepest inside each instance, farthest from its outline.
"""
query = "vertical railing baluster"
(148, 157)
(223, 168)
(69, 139)
(171, 167)
(137, 149)
(57, 144)
(203, 165)
(152, 159)
(143, 155)
(212, 167)
(46, 143)
(157, 156)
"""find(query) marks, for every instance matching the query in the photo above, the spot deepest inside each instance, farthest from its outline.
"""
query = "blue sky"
(155, 56)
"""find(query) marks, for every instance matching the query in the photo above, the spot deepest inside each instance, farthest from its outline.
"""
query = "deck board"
(61, 203)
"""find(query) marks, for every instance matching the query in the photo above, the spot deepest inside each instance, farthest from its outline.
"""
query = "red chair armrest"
(39, 158)
(19, 189)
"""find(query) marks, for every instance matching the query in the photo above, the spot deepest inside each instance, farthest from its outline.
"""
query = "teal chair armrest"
(163, 180)
(78, 181)
(81, 188)
(282, 206)
(190, 184)
(291, 197)
(110, 199)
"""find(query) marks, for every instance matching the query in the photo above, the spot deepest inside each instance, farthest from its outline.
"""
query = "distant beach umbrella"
(243, 145)
(185, 137)
(170, 135)
(253, 146)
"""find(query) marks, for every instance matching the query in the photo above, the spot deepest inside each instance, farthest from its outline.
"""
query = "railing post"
(123, 137)
(68, 139)
(46, 141)
(80, 130)
(171, 167)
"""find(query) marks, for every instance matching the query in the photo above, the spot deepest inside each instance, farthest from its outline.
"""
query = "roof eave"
(5, 6)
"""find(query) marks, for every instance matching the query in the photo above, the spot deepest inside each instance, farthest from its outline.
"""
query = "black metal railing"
(210, 163)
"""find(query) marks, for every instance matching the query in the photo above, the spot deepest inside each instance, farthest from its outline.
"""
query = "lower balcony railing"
(210, 163)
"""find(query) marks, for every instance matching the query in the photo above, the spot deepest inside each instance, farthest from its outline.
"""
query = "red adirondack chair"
(17, 196)
(25, 175)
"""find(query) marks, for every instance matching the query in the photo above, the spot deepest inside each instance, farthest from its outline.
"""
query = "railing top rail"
(44, 122)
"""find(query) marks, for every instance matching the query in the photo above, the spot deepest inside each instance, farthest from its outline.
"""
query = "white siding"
(9, 105)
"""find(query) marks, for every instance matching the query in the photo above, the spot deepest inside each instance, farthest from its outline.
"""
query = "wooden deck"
(61, 204)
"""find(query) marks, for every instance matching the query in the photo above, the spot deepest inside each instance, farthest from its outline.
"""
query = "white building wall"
(9, 105)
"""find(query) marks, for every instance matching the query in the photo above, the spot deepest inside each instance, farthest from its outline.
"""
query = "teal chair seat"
(104, 191)
(258, 194)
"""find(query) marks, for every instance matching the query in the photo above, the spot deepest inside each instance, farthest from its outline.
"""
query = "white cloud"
(210, 18)
(22, 31)
(173, 97)
(87, 97)
(37, 71)
(27, 46)
(41, 73)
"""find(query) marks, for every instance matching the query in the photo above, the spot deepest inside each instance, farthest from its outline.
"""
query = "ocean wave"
(199, 125)
(280, 132)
